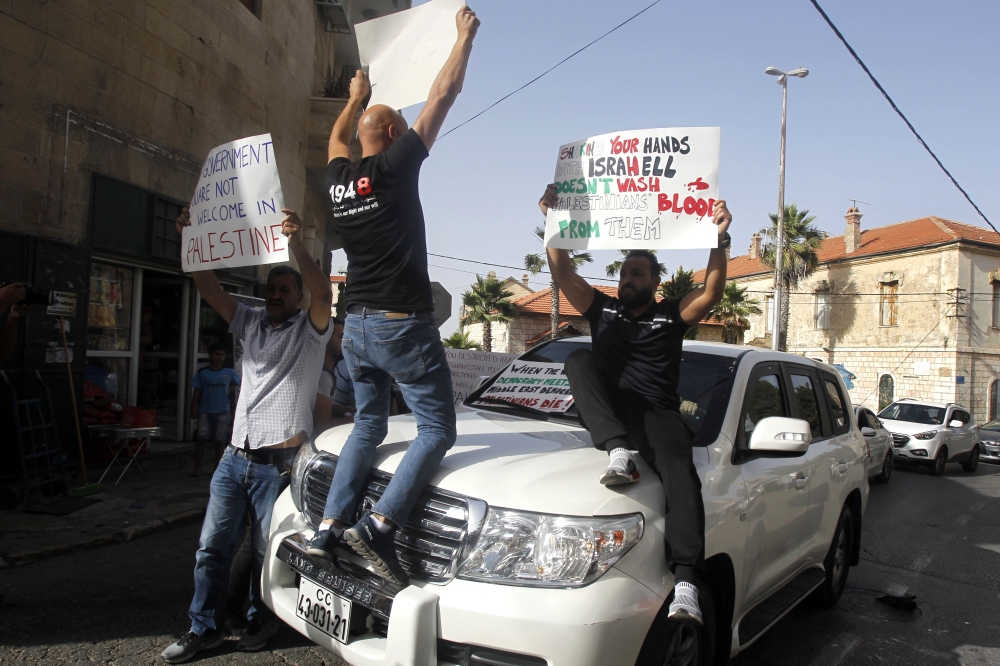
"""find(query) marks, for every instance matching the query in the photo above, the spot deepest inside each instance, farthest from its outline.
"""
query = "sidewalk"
(137, 506)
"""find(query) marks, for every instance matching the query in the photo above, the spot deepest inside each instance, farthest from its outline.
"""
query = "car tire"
(682, 643)
(972, 463)
(937, 467)
(837, 562)
(883, 477)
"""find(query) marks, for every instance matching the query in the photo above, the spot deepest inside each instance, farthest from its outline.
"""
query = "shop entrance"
(163, 337)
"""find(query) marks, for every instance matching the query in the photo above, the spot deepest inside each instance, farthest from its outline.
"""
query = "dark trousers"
(617, 419)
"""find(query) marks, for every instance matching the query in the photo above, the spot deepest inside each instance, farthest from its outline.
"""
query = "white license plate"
(324, 609)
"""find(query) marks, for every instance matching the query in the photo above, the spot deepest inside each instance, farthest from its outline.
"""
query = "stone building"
(107, 111)
(912, 309)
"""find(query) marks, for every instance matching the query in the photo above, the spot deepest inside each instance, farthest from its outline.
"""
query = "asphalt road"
(936, 538)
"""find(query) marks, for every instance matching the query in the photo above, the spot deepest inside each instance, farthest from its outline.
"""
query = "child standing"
(210, 405)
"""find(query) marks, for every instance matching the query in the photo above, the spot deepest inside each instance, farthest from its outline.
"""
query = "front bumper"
(602, 623)
(989, 452)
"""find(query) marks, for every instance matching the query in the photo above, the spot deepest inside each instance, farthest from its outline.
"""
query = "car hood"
(908, 427)
(519, 463)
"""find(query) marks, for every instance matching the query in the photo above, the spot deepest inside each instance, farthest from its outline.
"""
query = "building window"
(996, 305)
(994, 399)
(887, 304)
(768, 314)
(821, 314)
(166, 244)
(886, 391)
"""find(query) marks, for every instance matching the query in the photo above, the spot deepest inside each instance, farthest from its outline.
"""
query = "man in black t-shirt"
(389, 331)
(625, 389)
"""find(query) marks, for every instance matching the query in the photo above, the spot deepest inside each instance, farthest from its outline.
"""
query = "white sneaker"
(685, 603)
(621, 469)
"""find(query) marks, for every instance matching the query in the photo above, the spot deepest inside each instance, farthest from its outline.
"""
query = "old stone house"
(912, 309)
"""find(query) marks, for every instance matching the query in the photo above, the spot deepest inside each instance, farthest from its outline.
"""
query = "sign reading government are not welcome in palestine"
(637, 189)
(236, 209)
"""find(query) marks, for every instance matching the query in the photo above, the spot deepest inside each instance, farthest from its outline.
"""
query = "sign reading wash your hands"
(637, 189)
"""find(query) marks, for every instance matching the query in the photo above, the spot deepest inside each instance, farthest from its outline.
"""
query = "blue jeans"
(379, 350)
(238, 487)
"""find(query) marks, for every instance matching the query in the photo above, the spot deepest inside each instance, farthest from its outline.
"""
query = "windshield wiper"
(535, 413)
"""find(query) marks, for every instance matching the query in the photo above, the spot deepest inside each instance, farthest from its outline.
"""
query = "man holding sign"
(283, 356)
(389, 332)
(626, 388)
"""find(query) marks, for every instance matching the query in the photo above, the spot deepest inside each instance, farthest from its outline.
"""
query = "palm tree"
(459, 340)
(802, 240)
(733, 310)
(485, 303)
(615, 266)
(534, 263)
(676, 288)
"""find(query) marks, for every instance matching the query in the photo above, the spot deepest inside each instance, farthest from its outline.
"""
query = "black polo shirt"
(640, 354)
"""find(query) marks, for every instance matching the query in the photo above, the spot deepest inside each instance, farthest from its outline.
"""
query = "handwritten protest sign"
(637, 189)
(236, 209)
(542, 386)
(404, 51)
(468, 365)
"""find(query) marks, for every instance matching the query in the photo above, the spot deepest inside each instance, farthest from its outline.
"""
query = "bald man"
(389, 331)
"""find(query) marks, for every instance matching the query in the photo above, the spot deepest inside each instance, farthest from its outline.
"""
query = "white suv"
(519, 557)
(932, 434)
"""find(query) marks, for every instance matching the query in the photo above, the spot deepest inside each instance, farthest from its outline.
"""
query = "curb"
(121, 536)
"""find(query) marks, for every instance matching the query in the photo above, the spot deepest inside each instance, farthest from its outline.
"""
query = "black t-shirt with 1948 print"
(641, 355)
(376, 204)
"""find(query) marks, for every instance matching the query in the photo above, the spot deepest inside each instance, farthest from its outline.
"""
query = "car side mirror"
(955, 423)
(868, 432)
(778, 434)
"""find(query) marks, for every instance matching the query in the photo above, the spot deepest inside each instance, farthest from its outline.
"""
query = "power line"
(578, 51)
(900, 113)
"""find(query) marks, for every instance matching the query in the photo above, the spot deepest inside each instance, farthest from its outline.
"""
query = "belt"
(362, 310)
(265, 458)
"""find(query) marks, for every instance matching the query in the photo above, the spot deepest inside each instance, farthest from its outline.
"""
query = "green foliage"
(484, 303)
(535, 263)
(615, 266)
(459, 340)
(733, 310)
(678, 286)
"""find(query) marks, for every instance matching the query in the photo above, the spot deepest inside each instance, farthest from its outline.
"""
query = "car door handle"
(840, 468)
(801, 481)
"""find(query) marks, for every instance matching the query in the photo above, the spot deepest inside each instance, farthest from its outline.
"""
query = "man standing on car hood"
(389, 332)
(626, 389)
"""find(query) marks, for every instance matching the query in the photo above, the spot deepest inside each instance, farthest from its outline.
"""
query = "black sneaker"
(323, 544)
(191, 644)
(378, 548)
(257, 635)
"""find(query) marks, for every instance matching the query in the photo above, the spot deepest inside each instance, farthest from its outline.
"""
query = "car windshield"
(914, 413)
(991, 425)
(706, 381)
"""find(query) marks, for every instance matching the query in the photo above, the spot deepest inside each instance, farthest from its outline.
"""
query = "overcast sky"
(702, 64)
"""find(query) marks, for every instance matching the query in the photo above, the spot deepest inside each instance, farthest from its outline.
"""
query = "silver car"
(989, 441)
(932, 434)
(879, 444)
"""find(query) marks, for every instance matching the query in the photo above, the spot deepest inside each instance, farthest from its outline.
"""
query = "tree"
(615, 266)
(534, 263)
(733, 310)
(486, 303)
(802, 240)
(676, 288)
(459, 340)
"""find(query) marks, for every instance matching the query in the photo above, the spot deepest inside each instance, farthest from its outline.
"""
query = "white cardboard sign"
(405, 51)
(236, 209)
(468, 365)
(637, 190)
(533, 384)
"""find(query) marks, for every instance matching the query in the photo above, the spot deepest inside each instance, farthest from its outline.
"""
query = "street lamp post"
(779, 253)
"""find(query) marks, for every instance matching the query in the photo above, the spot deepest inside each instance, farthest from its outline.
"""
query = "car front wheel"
(883, 476)
(972, 463)
(937, 467)
(837, 562)
(671, 643)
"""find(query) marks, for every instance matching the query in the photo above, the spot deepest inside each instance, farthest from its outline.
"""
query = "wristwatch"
(725, 242)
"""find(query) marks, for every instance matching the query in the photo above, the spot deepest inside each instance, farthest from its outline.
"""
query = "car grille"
(900, 440)
(440, 528)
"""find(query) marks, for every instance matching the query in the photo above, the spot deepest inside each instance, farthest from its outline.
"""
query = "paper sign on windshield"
(236, 209)
(541, 386)
(637, 190)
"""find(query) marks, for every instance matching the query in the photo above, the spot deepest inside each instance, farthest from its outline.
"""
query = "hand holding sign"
(291, 226)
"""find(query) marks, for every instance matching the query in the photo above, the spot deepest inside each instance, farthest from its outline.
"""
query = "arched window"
(994, 399)
(886, 391)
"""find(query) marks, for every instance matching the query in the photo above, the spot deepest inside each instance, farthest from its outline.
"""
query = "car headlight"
(539, 550)
(930, 434)
(303, 458)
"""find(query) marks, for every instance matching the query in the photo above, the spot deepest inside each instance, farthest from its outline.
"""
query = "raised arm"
(700, 302)
(577, 291)
(340, 136)
(320, 292)
(449, 80)
(206, 282)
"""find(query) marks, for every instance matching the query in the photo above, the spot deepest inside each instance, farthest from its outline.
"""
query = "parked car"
(989, 440)
(879, 444)
(518, 555)
(932, 434)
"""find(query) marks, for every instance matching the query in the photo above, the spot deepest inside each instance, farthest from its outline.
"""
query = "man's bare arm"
(579, 294)
(206, 282)
(700, 302)
(320, 292)
(449, 80)
(340, 135)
